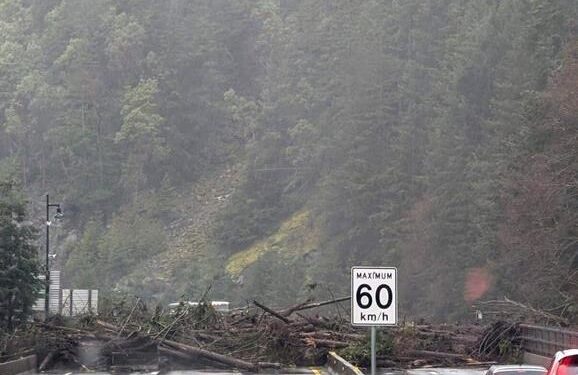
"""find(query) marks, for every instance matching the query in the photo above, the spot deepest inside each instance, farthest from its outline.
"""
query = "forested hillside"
(263, 147)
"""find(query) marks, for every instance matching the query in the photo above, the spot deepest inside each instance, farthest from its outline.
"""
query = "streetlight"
(58, 216)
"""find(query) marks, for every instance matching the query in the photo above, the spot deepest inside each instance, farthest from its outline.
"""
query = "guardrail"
(546, 341)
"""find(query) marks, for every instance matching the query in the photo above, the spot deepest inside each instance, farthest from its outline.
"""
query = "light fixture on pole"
(59, 215)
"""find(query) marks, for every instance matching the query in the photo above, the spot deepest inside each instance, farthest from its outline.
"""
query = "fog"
(242, 150)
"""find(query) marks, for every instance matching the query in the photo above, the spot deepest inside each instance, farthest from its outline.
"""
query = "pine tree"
(19, 283)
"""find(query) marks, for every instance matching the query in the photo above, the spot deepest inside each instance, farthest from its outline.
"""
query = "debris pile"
(499, 340)
(419, 345)
(248, 339)
(251, 339)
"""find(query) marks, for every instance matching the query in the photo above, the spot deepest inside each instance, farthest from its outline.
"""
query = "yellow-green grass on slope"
(296, 236)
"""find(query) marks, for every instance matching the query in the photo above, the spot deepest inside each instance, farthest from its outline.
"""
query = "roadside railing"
(546, 341)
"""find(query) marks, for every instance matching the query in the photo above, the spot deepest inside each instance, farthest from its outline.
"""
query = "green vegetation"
(360, 353)
(264, 147)
(295, 238)
(19, 268)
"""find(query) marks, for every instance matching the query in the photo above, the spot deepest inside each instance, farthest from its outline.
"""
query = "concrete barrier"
(22, 366)
(339, 366)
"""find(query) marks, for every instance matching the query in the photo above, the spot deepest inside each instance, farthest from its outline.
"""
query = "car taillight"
(564, 365)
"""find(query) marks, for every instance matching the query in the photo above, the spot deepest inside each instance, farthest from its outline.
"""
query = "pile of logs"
(435, 345)
(248, 339)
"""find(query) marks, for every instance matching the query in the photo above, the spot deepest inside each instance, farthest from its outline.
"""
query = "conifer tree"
(19, 268)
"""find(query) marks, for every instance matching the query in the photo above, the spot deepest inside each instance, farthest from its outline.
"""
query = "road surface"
(300, 371)
(304, 371)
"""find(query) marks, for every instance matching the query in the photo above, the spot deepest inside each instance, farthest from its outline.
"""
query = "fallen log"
(227, 360)
(308, 306)
(289, 310)
(107, 326)
(44, 364)
(175, 353)
(272, 312)
(273, 365)
(325, 343)
(316, 335)
(308, 328)
(205, 336)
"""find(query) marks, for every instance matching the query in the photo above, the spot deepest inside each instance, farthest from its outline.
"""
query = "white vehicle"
(220, 306)
(565, 363)
(516, 370)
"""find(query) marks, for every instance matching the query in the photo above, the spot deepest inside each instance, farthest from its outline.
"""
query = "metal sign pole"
(374, 301)
(372, 350)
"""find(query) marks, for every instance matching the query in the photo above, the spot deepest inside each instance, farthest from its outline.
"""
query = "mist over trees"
(265, 147)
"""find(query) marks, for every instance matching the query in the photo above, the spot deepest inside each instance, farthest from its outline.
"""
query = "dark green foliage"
(102, 258)
(19, 268)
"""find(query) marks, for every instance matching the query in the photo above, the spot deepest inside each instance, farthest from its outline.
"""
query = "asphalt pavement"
(295, 371)
(304, 371)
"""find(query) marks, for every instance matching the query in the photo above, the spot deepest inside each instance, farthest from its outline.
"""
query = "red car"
(565, 363)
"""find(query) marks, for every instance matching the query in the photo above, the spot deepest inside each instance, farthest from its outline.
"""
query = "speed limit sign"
(374, 296)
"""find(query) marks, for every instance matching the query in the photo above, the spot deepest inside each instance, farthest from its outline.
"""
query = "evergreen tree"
(19, 269)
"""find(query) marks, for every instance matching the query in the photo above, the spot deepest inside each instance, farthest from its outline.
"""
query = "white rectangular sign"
(374, 296)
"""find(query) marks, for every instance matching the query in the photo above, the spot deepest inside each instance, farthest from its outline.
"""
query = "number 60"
(360, 294)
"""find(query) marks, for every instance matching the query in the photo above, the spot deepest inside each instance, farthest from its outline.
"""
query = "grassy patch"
(296, 236)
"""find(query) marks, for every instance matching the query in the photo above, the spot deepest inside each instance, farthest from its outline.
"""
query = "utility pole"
(47, 286)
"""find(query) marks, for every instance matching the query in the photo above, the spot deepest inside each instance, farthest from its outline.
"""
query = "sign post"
(373, 350)
(373, 300)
